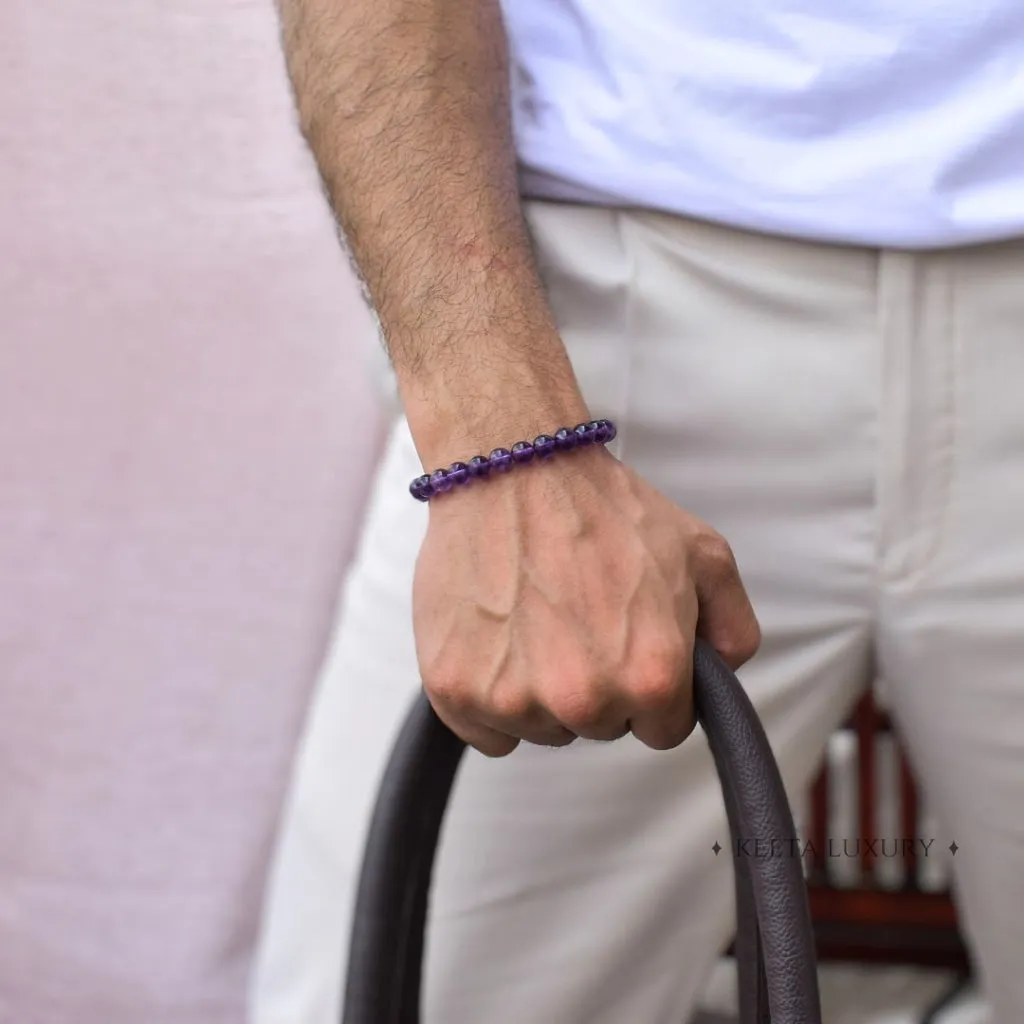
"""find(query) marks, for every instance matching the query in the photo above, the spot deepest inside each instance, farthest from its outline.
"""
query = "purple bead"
(478, 466)
(586, 433)
(421, 488)
(458, 473)
(613, 431)
(440, 481)
(544, 445)
(522, 451)
(500, 460)
(605, 431)
(565, 440)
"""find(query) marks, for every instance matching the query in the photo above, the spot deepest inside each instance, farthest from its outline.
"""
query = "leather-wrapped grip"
(778, 982)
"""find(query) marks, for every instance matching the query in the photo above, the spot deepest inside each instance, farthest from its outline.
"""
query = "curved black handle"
(774, 943)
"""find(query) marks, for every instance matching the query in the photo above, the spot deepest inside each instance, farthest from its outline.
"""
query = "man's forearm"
(405, 105)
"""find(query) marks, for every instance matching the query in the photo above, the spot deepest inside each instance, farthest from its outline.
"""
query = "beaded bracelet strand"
(501, 460)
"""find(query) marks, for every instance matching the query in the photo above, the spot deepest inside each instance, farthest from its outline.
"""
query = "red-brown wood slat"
(865, 726)
(908, 818)
(819, 824)
(882, 907)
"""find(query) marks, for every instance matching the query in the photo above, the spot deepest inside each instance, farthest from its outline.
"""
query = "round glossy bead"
(565, 440)
(544, 445)
(458, 473)
(441, 481)
(478, 466)
(500, 460)
(605, 431)
(421, 488)
(586, 433)
(612, 430)
(522, 451)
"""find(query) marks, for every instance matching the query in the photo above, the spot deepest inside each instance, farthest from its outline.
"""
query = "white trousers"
(851, 420)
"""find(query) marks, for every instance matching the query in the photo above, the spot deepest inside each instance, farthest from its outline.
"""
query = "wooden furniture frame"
(871, 923)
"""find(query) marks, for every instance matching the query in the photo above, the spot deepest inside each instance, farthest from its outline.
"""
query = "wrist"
(457, 419)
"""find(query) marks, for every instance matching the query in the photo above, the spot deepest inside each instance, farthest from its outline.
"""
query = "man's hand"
(563, 600)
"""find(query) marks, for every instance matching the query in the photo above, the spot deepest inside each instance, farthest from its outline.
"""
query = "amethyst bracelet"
(501, 460)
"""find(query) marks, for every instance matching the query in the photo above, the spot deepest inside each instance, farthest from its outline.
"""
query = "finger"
(530, 723)
(726, 618)
(659, 683)
(662, 704)
(554, 737)
(587, 711)
(489, 742)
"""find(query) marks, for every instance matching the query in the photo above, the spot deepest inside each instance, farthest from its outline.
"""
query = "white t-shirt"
(881, 122)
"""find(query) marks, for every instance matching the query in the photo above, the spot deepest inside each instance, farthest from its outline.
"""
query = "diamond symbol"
(953, 848)
(716, 848)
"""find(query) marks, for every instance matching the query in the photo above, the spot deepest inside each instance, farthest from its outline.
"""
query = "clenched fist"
(563, 599)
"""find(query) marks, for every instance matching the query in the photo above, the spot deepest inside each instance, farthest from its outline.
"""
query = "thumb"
(725, 617)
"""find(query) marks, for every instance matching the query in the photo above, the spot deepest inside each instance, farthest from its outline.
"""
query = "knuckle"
(715, 552)
(578, 706)
(510, 703)
(448, 690)
(653, 692)
(654, 679)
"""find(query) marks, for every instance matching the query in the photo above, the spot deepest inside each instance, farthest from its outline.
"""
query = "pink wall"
(186, 433)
